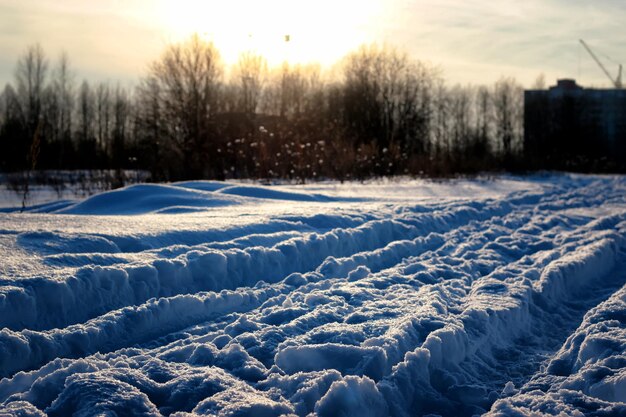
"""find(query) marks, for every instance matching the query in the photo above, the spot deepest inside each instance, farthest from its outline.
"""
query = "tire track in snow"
(584, 377)
(67, 342)
(378, 312)
(454, 362)
(460, 231)
(92, 291)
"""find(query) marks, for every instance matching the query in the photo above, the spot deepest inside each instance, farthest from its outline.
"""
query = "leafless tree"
(85, 116)
(249, 77)
(121, 117)
(32, 68)
(441, 134)
(149, 128)
(508, 109)
(388, 98)
(103, 116)
(461, 113)
(63, 85)
(187, 79)
(288, 90)
(483, 113)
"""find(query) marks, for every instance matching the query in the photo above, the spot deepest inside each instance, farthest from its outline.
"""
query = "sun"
(294, 31)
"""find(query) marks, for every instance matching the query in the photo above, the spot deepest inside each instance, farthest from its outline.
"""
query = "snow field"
(94, 289)
(445, 307)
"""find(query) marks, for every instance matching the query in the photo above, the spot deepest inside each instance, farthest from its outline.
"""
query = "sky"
(471, 41)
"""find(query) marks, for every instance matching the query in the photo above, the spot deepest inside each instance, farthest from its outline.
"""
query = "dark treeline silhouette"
(381, 114)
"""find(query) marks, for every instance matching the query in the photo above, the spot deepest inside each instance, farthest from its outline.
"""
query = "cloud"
(473, 37)
(102, 42)
(474, 41)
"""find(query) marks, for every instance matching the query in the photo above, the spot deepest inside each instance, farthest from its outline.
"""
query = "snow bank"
(271, 193)
(147, 198)
(179, 197)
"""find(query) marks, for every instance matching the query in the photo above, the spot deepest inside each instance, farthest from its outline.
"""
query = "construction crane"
(617, 82)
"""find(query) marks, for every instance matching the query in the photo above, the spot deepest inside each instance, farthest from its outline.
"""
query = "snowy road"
(504, 297)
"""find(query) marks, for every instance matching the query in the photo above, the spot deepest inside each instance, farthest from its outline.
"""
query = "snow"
(502, 296)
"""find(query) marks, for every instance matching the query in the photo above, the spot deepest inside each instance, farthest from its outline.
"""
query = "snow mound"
(203, 185)
(271, 193)
(146, 198)
(177, 198)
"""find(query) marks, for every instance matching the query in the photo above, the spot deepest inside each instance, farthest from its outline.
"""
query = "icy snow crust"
(504, 297)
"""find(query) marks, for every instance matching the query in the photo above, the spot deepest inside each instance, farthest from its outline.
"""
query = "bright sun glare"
(294, 31)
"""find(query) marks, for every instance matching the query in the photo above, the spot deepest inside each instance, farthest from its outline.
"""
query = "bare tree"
(3, 106)
(149, 136)
(63, 85)
(288, 90)
(441, 124)
(250, 73)
(103, 110)
(460, 112)
(10, 106)
(508, 109)
(13, 147)
(388, 99)
(85, 114)
(187, 77)
(30, 75)
(483, 113)
(415, 107)
(120, 125)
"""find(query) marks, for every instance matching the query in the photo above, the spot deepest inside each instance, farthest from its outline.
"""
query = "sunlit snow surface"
(503, 296)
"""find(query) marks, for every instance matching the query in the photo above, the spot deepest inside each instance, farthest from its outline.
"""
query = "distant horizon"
(471, 42)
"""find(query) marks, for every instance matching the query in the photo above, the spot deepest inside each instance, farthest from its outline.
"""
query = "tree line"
(380, 113)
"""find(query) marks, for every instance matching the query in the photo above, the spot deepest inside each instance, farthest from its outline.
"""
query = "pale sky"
(472, 41)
